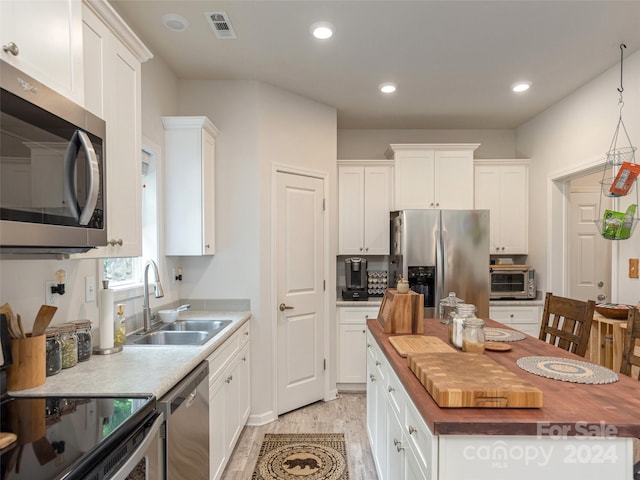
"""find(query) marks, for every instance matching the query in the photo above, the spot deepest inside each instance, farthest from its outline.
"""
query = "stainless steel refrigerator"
(442, 251)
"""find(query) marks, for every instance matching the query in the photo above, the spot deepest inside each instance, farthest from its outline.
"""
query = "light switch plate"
(89, 289)
(633, 268)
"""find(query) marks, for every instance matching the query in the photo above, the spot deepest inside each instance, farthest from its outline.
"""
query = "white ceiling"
(454, 61)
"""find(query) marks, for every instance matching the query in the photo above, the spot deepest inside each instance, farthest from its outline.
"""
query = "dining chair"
(629, 360)
(631, 337)
(566, 323)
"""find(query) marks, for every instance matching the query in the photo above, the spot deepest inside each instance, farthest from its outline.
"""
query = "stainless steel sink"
(163, 337)
(196, 325)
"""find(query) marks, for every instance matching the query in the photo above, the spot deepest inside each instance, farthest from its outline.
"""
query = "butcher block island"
(568, 430)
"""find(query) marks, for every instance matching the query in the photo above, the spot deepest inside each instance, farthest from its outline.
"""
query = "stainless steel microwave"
(512, 282)
(52, 170)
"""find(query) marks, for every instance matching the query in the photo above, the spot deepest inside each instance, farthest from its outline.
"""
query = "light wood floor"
(347, 415)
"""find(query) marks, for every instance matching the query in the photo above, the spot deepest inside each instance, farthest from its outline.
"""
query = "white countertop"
(137, 369)
(371, 302)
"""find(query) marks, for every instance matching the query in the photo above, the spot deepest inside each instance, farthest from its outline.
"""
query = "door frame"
(273, 300)
(558, 226)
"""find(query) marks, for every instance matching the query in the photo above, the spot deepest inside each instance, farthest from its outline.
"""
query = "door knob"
(600, 284)
(284, 307)
(601, 297)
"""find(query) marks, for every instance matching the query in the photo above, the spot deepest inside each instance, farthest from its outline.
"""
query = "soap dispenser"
(120, 328)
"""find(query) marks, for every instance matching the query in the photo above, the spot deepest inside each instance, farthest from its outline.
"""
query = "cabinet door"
(487, 197)
(244, 383)
(414, 186)
(514, 209)
(377, 205)
(351, 210)
(217, 424)
(48, 35)
(523, 318)
(113, 93)
(453, 176)
(395, 448)
(208, 193)
(352, 354)
(232, 412)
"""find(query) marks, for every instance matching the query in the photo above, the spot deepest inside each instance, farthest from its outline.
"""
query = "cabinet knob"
(377, 363)
(113, 242)
(372, 377)
(364, 331)
(438, 204)
(412, 430)
(366, 249)
(207, 246)
(391, 389)
(360, 248)
(11, 48)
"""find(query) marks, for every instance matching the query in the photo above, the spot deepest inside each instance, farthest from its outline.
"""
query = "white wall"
(372, 144)
(259, 126)
(572, 135)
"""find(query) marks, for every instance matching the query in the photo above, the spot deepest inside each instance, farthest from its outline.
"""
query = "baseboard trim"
(263, 419)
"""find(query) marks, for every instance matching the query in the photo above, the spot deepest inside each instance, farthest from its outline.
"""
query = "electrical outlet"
(633, 268)
(89, 289)
(50, 298)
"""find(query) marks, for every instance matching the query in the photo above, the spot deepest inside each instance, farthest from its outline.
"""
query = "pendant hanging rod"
(622, 45)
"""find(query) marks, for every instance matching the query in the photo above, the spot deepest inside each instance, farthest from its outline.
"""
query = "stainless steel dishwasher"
(186, 410)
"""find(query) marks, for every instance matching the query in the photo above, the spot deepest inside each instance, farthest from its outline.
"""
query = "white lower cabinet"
(229, 397)
(352, 327)
(523, 318)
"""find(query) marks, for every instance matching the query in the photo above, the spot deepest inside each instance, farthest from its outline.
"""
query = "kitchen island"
(582, 431)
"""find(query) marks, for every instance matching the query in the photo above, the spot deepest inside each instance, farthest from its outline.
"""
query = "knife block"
(29, 363)
(401, 312)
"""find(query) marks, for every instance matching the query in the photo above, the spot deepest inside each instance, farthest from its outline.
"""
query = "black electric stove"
(69, 437)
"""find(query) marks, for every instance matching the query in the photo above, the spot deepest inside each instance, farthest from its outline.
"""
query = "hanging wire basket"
(619, 177)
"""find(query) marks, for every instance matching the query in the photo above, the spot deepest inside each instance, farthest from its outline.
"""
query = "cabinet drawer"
(420, 439)
(514, 315)
(244, 333)
(376, 359)
(219, 359)
(356, 314)
(395, 394)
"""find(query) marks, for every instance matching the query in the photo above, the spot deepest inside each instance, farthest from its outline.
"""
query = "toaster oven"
(512, 282)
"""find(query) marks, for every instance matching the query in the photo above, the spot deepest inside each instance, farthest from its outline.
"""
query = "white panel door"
(589, 254)
(300, 290)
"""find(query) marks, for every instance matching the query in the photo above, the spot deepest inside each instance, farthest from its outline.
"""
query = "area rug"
(297, 456)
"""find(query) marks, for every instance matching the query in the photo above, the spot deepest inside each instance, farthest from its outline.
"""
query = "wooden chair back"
(566, 323)
(632, 335)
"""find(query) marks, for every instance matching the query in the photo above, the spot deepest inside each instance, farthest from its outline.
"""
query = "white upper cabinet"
(190, 185)
(365, 197)
(438, 176)
(502, 186)
(113, 92)
(43, 38)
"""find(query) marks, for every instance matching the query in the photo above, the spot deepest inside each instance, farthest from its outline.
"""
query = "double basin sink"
(181, 332)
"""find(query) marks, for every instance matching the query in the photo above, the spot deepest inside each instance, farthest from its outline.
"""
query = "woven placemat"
(503, 335)
(567, 370)
(296, 456)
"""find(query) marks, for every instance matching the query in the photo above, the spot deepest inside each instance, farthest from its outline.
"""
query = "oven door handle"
(80, 138)
(124, 471)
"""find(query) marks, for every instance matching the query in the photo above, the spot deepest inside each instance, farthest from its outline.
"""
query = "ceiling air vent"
(221, 25)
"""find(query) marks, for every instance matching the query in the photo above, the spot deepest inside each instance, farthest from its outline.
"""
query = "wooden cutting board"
(405, 344)
(472, 380)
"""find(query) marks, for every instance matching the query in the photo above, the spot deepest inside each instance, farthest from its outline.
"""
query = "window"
(127, 271)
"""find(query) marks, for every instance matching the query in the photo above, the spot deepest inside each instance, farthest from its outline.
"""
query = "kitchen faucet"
(157, 292)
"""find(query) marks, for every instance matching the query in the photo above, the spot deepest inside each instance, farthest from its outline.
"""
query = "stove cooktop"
(58, 437)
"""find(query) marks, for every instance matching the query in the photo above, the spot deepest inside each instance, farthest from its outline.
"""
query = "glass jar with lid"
(85, 339)
(473, 339)
(69, 341)
(447, 307)
(53, 351)
(463, 311)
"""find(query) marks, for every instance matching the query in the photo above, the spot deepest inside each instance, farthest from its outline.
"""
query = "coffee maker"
(356, 279)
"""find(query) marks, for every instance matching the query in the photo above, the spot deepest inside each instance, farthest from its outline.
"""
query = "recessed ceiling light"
(322, 30)
(388, 87)
(521, 87)
(175, 22)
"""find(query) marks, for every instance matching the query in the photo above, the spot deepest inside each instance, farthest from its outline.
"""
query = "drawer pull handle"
(377, 363)
(412, 430)
(398, 445)
(372, 377)
(391, 389)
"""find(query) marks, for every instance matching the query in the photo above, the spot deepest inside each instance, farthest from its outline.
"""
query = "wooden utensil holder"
(29, 363)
